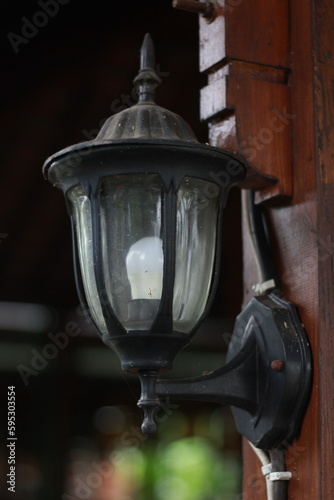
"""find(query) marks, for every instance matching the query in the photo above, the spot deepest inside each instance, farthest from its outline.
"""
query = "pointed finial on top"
(147, 79)
(147, 54)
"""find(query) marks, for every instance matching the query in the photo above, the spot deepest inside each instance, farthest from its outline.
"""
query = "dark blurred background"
(65, 67)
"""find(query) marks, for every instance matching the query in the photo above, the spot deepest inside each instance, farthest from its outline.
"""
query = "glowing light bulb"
(144, 264)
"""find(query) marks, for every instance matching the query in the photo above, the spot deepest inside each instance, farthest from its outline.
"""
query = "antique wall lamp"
(146, 203)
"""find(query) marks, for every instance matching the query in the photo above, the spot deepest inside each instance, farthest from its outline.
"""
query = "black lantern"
(146, 202)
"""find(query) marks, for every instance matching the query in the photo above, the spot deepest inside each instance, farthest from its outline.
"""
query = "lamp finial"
(149, 402)
(147, 79)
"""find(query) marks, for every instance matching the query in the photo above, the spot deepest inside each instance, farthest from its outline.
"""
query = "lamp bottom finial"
(149, 402)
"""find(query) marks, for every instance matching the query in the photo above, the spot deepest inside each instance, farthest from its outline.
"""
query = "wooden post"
(269, 98)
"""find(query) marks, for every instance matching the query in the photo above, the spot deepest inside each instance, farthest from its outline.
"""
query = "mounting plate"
(283, 371)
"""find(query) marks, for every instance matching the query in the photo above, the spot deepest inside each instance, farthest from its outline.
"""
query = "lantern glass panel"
(132, 253)
(196, 228)
(83, 228)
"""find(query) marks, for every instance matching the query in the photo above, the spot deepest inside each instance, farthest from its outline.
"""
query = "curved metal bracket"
(267, 376)
(232, 384)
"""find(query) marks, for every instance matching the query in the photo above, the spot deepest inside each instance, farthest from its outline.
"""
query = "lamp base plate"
(282, 374)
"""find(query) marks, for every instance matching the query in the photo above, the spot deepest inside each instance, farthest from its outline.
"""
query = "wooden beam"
(294, 73)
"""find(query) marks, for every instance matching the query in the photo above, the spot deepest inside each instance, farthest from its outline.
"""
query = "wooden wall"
(270, 98)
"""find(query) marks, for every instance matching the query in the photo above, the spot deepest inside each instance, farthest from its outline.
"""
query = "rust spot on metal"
(277, 365)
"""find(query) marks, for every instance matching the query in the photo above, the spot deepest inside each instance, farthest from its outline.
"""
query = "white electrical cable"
(274, 459)
(270, 475)
(246, 218)
(262, 455)
(266, 468)
(265, 282)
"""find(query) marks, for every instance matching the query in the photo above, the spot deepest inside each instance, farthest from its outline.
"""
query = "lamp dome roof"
(146, 121)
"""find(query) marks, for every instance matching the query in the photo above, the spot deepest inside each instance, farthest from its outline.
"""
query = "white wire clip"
(260, 288)
(275, 476)
(280, 476)
(266, 469)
